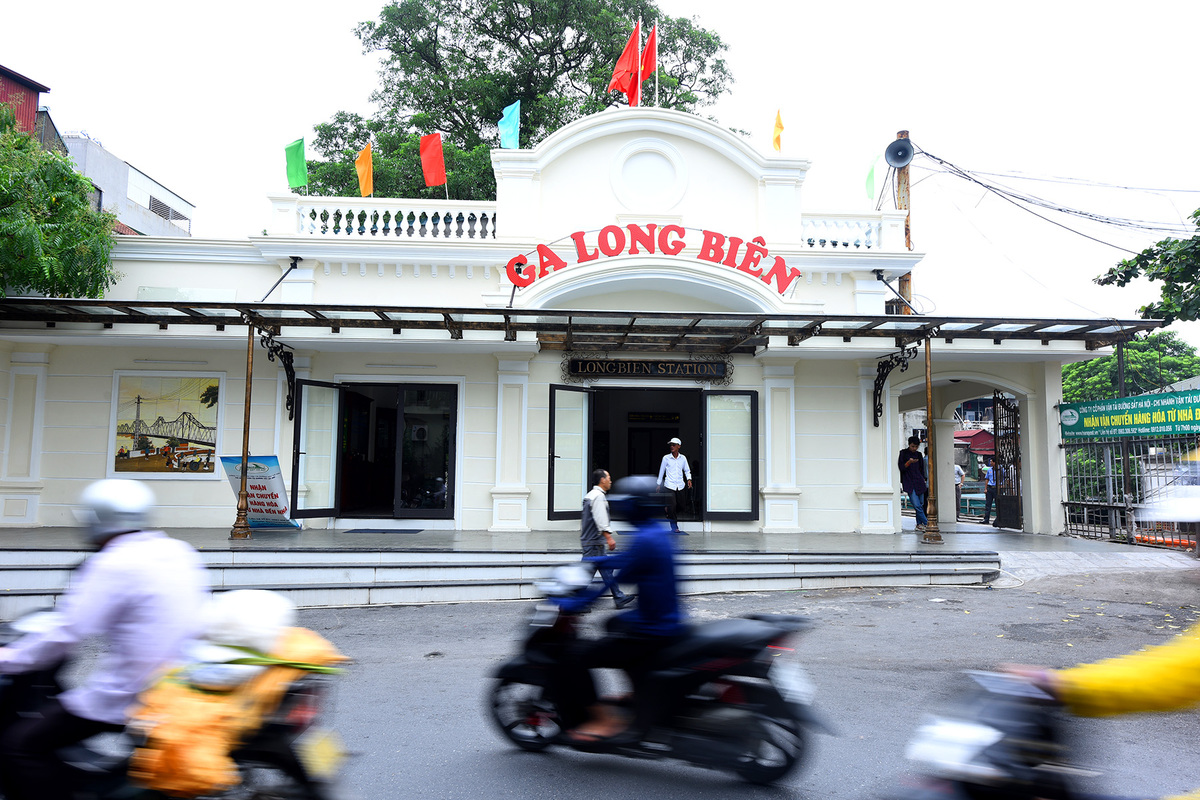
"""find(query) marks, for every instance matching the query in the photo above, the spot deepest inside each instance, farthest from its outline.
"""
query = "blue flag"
(510, 127)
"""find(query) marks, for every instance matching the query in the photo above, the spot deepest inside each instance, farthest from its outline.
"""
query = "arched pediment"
(646, 165)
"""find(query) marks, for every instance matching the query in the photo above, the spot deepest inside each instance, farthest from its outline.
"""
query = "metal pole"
(932, 534)
(1127, 478)
(241, 528)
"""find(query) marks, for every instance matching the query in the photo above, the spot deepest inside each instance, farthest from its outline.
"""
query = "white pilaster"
(781, 495)
(878, 502)
(510, 494)
(21, 486)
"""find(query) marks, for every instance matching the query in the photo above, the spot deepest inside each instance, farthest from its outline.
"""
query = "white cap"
(675, 441)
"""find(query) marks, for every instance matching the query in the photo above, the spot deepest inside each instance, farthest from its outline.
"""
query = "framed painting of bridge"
(166, 425)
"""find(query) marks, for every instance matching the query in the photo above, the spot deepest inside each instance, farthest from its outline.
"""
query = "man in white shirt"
(142, 593)
(676, 476)
(595, 533)
(959, 474)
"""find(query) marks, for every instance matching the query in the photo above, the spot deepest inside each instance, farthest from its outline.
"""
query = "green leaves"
(1175, 263)
(51, 240)
(452, 66)
(1150, 363)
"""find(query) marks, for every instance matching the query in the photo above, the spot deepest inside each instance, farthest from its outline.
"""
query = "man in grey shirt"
(596, 533)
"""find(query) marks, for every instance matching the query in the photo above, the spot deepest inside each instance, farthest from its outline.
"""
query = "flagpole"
(639, 78)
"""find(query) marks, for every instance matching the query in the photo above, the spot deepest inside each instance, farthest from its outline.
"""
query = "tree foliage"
(52, 241)
(397, 163)
(1150, 364)
(1173, 262)
(452, 66)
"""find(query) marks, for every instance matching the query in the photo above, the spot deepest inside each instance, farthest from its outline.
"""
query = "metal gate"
(1112, 485)
(1005, 412)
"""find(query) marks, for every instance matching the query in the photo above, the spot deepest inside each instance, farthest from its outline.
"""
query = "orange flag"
(775, 139)
(366, 171)
(625, 74)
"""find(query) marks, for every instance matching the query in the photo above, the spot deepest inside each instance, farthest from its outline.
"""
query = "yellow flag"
(366, 171)
(778, 131)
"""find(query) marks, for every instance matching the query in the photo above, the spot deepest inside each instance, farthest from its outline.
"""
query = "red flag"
(650, 54)
(625, 75)
(432, 163)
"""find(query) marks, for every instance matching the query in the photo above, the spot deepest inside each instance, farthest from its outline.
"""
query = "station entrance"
(625, 430)
(375, 450)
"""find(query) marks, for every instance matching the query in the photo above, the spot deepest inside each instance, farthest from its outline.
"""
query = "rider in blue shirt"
(635, 636)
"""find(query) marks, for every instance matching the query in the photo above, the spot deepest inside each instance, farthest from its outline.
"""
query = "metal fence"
(1139, 491)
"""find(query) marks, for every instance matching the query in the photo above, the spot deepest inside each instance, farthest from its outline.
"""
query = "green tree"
(52, 241)
(1150, 363)
(211, 395)
(1173, 262)
(452, 66)
(396, 157)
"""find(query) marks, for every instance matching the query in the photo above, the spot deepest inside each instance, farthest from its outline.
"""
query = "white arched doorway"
(1040, 462)
(617, 410)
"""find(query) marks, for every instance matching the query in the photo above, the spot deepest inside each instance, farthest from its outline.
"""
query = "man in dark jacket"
(912, 478)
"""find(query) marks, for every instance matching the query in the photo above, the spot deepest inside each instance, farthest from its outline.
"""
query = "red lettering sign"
(715, 248)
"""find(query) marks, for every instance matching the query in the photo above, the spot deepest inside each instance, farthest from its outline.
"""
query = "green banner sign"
(1145, 415)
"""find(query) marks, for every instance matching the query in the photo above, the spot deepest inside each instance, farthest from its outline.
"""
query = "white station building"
(643, 274)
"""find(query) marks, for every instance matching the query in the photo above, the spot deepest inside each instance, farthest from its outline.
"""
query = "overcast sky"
(203, 99)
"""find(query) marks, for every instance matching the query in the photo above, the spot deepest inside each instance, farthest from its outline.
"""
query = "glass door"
(428, 421)
(570, 422)
(730, 422)
(315, 449)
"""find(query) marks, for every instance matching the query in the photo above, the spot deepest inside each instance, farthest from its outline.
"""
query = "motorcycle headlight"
(951, 748)
(564, 580)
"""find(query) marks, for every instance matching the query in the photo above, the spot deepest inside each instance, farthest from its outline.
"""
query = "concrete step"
(359, 578)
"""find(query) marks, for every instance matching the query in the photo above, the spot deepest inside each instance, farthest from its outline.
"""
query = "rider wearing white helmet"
(142, 593)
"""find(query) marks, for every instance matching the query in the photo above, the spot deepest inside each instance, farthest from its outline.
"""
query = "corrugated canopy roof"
(658, 331)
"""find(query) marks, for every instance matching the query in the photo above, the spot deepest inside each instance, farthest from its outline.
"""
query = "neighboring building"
(24, 97)
(642, 274)
(23, 94)
(142, 204)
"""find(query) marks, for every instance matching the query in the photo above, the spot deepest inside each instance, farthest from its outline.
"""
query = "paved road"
(413, 705)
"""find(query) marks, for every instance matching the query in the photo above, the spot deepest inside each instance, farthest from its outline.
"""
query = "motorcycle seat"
(722, 637)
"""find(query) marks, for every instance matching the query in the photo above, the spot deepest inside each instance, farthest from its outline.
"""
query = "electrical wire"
(967, 176)
(1083, 182)
(1023, 201)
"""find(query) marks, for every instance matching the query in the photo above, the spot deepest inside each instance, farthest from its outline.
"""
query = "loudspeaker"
(899, 153)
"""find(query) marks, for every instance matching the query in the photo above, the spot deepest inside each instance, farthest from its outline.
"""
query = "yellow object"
(191, 732)
(776, 138)
(366, 171)
(1165, 677)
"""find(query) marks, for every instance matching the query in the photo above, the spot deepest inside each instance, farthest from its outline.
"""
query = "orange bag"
(190, 732)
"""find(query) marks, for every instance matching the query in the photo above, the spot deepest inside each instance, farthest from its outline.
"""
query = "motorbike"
(288, 756)
(730, 695)
(1003, 739)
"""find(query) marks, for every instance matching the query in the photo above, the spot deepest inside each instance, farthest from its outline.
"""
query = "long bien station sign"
(1145, 415)
(752, 257)
(623, 368)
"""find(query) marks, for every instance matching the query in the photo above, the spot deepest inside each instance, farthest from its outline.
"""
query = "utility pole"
(902, 203)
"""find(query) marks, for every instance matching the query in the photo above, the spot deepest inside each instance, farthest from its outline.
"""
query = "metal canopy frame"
(604, 331)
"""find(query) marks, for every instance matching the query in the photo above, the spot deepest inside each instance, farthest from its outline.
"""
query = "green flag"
(871, 179)
(297, 167)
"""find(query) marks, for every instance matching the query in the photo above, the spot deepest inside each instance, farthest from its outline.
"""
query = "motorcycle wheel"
(524, 715)
(772, 751)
